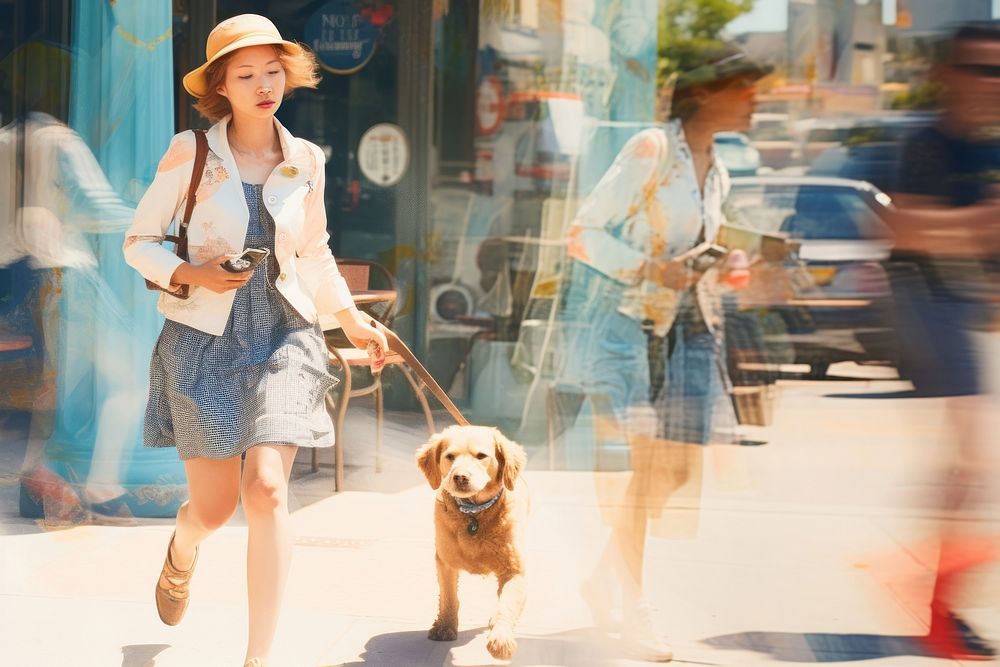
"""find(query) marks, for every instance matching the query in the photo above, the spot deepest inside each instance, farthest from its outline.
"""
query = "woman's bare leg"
(213, 492)
(269, 548)
(660, 469)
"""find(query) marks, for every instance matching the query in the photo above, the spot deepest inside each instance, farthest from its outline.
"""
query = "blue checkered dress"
(263, 380)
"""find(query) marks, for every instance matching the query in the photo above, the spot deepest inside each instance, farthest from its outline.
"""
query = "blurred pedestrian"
(642, 314)
(65, 204)
(947, 243)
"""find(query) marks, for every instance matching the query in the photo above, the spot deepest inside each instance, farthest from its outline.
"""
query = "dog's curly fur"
(477, 462)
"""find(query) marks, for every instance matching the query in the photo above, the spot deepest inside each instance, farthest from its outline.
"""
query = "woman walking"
(642, 308)
(239, 374)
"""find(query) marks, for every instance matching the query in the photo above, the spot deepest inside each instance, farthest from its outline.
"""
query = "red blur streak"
(355, 190)
(545, 172)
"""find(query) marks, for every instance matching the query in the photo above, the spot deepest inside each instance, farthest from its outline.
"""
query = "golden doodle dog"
(479, 519)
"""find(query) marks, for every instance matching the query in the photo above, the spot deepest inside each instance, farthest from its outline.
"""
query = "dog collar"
(466, 506)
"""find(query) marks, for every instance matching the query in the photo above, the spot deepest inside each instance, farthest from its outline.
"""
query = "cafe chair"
(375, 294)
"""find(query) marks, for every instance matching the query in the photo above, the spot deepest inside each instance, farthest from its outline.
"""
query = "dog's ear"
(428, 459)
(511, 458)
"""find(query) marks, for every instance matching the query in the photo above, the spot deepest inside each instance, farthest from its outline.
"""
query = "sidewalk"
(801, 556)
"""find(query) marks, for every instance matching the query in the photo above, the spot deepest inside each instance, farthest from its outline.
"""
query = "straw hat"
(715, 63)
(235, 33)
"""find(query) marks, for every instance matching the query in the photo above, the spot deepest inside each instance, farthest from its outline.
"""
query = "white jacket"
(293, 194)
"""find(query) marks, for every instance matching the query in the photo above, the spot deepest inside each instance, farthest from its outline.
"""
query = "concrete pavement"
(803, 552)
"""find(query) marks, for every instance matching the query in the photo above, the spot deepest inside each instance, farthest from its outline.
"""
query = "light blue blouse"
(649, 206)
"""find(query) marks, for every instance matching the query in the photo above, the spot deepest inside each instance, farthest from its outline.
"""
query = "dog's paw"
(443, 632)
(501, 643)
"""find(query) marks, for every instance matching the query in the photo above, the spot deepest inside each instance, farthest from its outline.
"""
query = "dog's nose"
(460, 480)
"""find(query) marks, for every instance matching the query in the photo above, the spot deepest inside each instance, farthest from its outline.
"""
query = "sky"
(773, 15)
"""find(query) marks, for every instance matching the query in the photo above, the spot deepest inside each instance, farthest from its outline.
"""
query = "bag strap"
(200, 158)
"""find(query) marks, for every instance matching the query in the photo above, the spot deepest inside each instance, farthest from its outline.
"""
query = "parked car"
(830, 297)
(735, 151)
(869, 149)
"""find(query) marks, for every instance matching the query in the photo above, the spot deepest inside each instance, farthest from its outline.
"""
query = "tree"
(921, 97)
(688, 27)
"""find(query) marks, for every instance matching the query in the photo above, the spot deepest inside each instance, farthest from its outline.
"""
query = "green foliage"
(687, 28)
(923, 97)
(700, 18)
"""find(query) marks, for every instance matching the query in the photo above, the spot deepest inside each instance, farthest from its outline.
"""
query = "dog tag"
(473, 526)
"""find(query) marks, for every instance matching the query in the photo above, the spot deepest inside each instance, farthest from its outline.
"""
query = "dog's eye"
(450, 457)
(482, 456)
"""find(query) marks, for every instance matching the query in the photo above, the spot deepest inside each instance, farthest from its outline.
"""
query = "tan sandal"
(254, 662)
(172, 588)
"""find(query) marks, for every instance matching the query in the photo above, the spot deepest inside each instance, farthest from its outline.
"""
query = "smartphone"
(708, 258)
(248, 261)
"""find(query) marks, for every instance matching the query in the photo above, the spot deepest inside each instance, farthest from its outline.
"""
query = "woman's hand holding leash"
(364, 334)
(210, 275)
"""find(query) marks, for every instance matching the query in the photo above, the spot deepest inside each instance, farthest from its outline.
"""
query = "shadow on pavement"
(906, 393)
(819, 646)
(575, 647)
(141, 655)
(404, 647)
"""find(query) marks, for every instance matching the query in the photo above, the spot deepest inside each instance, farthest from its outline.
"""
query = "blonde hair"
(301, 71)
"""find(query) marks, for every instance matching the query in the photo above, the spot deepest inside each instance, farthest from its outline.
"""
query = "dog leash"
(399, 347)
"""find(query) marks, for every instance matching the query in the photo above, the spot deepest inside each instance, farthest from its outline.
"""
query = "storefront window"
(532, 112)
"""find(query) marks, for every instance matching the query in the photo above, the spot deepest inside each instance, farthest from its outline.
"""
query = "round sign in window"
(489, 105)
(342, 36)
(384, 154)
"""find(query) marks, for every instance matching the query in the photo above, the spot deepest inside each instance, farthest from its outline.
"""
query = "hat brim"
(195, 81)
(709, 74)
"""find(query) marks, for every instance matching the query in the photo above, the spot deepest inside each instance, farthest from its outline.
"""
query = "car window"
(809, 213)
(821, 214)
(826, 134)
(758, 207)
(869, 134)
(868, 224)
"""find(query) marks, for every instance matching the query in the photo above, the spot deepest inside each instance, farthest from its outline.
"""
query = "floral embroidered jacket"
(648, 206)
(293, 195)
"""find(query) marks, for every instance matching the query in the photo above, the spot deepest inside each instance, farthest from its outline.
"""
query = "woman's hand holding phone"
(248, 261)
(681, 272)
(211, 275)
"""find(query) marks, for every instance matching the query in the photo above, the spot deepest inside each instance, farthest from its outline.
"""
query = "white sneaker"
(644, 641)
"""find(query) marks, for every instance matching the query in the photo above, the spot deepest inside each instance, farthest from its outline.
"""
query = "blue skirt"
(605, 353)
(263, 380)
